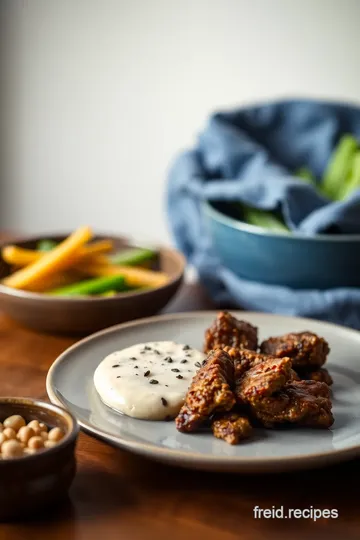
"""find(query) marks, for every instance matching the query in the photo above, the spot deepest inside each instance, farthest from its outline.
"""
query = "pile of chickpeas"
(18, 438)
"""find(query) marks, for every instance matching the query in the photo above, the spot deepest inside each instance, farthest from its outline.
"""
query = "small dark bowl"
(28, 484)
(75, 315)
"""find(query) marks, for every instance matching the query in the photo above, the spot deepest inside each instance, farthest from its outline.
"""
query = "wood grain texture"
(117, 495)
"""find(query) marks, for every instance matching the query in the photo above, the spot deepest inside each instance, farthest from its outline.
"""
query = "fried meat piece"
(315, 388)
(245, 359)
(209, 392)
(305, 403)
(226, 330)
(319, 375)
(307, 350)
(263, 380)
(231, 426)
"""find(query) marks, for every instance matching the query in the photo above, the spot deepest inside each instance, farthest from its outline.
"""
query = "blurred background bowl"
(292, 260)
(84, 315)
(29, 484)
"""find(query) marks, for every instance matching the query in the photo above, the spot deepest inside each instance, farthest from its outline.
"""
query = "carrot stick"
(135, 277)
(54, 261)
(55, 281)
(18, 256)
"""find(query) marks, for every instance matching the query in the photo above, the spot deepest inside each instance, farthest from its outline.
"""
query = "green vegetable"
(352, 182)
(109, 293)
(133, 257)
(339, 168)
(305, 174)
(46, 245)
(92, 286)
(264, 219)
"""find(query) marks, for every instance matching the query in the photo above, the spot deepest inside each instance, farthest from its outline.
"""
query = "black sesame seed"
(136, 367)
(156, 351)
(154, 381)
(175, 370)
(133, 358)
(167, 386)
(188, 355)
(186, 347)
(147, 373)
(197, 364)
(164, 402)
(142, 352)
(168, 359)
(116, 365)
(137, 374)
(179, 377)
(146, 348)
(118, 377)
(183, 361)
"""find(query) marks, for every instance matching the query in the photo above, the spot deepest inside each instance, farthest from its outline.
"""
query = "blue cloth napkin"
(248, 155)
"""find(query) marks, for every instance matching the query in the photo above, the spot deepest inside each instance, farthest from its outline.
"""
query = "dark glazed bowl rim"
(69, 438)
(28, 295)
(216, 215)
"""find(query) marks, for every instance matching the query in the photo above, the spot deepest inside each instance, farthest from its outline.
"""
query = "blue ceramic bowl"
(293, 260)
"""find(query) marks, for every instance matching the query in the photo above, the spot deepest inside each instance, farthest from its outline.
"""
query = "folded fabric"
(249, 156)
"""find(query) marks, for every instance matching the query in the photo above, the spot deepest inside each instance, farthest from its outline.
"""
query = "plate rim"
(171, 454)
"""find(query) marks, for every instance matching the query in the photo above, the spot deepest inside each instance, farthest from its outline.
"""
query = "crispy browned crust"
(316, 388)
(227, 331)
(263, 380)
(318, 375)
(305, 403)
(231, 426)
(209, 392)
(245, 359)
(307, 350)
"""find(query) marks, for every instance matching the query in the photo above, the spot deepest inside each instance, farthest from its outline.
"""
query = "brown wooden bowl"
(75, 315)
(28, 484)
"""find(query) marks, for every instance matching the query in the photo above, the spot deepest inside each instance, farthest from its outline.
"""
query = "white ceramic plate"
(70, 384)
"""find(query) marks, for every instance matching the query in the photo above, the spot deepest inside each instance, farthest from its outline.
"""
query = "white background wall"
(98, 95)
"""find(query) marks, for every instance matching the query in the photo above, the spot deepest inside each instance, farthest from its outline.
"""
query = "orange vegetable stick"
(55, 281)
(22, 257)
(135, 277)
(52, 262)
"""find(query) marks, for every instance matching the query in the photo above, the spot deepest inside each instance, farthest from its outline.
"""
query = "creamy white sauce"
(148, 380)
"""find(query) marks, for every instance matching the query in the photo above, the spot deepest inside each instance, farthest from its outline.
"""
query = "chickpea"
(50, 444)
(37, 426)
(29, 451)
(35, 443)
(43, 427)
(56, 434)
(44, 435)
(3, 438)
(25, 433)
(14, 422)
(10, 433)
(11, 449)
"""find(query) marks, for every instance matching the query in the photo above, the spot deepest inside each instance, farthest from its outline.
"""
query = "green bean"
(92, 286)
(264, 219)
(305, 174)
(339, 167)
(133, 257)
(353, 181)
(46, 245)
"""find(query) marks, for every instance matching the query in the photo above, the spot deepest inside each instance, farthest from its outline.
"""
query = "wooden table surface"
(117, 495)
